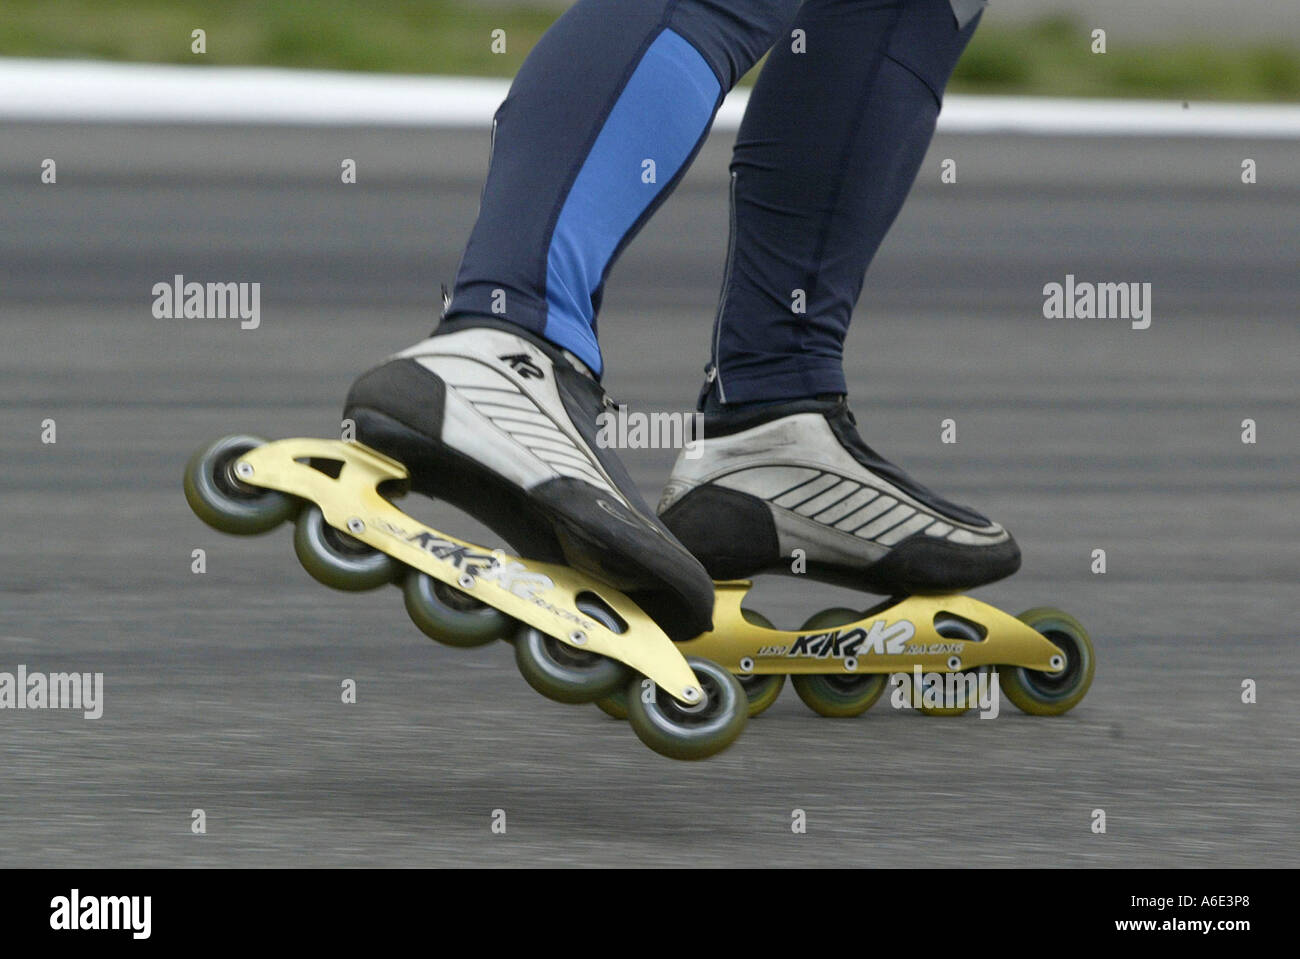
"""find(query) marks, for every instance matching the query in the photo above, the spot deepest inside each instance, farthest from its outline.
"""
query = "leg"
(498, 412)
(829, 148)
(602, 121)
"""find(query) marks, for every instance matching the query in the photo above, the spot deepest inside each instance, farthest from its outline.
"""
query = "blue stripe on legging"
(661, 114)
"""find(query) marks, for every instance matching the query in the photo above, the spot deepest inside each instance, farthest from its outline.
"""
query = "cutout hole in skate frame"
(599, 610)
(978, 633)
(394, 489)
(330, 467)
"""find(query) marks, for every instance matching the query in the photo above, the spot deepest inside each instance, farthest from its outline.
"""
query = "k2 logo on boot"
(521, 364)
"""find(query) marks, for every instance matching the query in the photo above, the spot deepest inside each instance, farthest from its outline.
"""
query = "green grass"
(1051, 57)
(412, 36)
(1054, 58)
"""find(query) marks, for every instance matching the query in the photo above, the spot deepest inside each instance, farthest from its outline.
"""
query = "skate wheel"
(919, 703)
(559, 671)
(679, 731)
(614, 705)
(950, 628)
(1051, 694)
(222, 500)
(337, 559)
(449, 616)
(760, 690)
(838, 695)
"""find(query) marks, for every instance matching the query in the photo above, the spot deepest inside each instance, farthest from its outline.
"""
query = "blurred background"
(1185, 49)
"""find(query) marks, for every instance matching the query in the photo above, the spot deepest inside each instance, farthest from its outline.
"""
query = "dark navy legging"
(612, 105)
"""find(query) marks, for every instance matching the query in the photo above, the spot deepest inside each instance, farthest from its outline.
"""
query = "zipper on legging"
(712, 373)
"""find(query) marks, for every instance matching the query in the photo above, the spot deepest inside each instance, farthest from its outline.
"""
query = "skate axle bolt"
(356, 526)
(954, 663)
(1057, 663)
(243, 470)
(691, 694)
(466, 581)
(746, 665)
(578, 638)
(850, 664)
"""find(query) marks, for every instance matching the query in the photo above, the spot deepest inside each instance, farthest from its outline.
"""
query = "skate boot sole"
(531, 526)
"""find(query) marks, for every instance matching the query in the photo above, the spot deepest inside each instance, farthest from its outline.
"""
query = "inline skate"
(575, 639)
(501, 424)
(792, 488)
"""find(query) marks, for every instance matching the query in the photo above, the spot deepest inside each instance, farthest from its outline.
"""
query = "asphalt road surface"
(222, 689)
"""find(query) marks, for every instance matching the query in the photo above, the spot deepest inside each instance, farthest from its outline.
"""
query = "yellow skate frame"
(895, 639)
(543, 595)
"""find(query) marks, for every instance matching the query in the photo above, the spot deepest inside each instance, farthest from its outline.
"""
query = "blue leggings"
(612, 105)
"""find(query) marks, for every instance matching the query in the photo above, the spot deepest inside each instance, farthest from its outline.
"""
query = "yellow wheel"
(614, 705)
(1051, 694)
(762, 690)
(838, 695)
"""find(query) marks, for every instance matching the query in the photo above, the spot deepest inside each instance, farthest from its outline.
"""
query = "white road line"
(86, 91)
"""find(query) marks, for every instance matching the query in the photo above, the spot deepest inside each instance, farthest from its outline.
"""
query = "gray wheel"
(559, 671)
(761, 691)
(1052, 694)
(679, 731)
(950, 627)
(337, 559)
(226, 503)
(450, 616)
